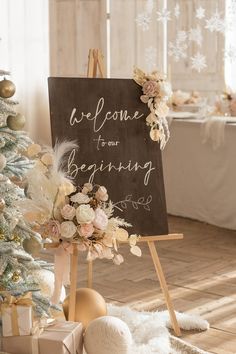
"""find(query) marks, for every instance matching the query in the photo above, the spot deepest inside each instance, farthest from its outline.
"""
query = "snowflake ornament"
(177, 50)
(198, 62)
(150, 55)
(143, 20)
(216, 23)
(200, 13)
(195, 35)
(163, 16)
(177, 10)
(230, 54)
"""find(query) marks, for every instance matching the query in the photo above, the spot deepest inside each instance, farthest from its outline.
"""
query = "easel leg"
(73, 284)
(164, 287)
(90, 274)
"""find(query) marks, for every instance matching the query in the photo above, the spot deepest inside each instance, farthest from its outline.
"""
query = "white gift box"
(24, 320)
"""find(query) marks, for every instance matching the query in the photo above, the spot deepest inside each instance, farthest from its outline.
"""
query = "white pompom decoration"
(107, 335)
(3, 162)
(45, 279)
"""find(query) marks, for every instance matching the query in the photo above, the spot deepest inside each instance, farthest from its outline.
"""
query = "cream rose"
(101, 220)
(84, 214)
(150, 88)
(165, 90)
(68, 229)
(86, 230)
(68, 212)
(101, 194)
(80, 198)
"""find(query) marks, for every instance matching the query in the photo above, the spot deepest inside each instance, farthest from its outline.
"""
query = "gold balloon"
(7, 88)
(16, 122)
(89, 305)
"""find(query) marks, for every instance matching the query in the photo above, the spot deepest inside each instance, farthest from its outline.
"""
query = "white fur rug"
(150, 333)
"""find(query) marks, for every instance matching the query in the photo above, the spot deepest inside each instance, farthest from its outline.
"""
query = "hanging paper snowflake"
(179, 47)
(198, 62)
(230, 53)
(200, 13)
(195, 35)
(150, 55)
(177, 10)
(163, 16)
(143, 20)
(216, 23)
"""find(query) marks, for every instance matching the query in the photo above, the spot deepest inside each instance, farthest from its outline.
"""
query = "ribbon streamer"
(61, 269)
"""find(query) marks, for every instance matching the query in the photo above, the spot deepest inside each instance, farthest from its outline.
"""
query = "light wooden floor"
(201, 274)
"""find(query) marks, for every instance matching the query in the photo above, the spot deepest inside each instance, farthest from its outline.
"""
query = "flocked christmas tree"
(16, 264)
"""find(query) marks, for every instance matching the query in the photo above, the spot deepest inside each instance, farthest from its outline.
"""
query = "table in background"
(200, 182)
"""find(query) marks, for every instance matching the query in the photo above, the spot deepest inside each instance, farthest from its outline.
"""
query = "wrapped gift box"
(23, 321)
(59, 338)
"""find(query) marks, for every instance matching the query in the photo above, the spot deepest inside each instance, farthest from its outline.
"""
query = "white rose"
(80, 198)
(68, 229)
(165, 89)
(68, 212)
(84, 214)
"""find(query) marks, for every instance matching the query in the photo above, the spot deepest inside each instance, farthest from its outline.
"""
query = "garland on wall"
(222, 22)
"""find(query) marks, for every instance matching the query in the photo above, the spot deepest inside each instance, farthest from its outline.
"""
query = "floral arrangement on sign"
(156, 92)
(226, 103)
(72, 216)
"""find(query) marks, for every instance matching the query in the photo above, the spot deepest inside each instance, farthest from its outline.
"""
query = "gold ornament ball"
(89, 305)
(2, 236)
(16, 122)
(16, 276)
(32, 246)
(7, 88)
(2, 204)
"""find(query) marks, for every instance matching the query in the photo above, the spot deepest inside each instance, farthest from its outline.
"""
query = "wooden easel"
(95, 60)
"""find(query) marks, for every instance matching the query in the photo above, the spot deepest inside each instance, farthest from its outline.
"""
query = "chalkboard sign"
(107, 119)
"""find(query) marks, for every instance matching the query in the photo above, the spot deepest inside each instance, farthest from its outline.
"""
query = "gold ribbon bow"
(13, 302)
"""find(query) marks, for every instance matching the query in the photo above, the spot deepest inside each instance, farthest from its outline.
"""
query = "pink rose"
(52, 230)
(68, 212)
(101, 220)
(101, 194)
(86, 230)
(150, 88)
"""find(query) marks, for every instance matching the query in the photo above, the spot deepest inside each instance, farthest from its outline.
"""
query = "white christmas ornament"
(179, 47)
(107, 335)
(198, 62)
(177, 10)
(195, 35)
(3, 162)
(163, 16)
(143, 20)
(215, 23)
(200, 13)
(45, 279)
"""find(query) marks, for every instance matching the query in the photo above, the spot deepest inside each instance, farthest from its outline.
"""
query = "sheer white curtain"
(24, 50)
(230, 45)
